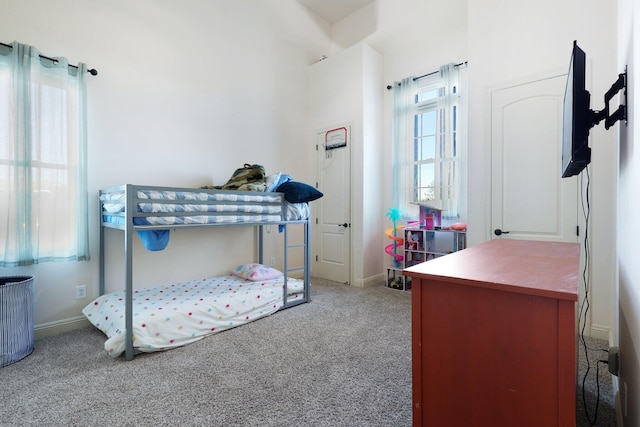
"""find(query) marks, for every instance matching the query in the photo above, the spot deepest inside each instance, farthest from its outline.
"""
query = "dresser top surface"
(548, 269)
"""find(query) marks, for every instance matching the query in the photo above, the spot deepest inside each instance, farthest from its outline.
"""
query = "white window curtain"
(441, 170)
(404, 110)
(43, 158)
(449, 175)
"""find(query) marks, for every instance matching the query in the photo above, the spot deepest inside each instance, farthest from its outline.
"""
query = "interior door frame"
(316, 173)
(546, 75)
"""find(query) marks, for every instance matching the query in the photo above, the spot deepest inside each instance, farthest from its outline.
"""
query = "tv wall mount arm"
(621, 112)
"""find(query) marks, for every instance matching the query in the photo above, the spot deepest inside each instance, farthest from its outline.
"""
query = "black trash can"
(16, 318)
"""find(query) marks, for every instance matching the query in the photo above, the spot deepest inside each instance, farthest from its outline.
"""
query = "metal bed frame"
(130, 212)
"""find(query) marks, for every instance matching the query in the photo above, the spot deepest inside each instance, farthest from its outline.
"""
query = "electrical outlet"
(81, 291)
(273, 261)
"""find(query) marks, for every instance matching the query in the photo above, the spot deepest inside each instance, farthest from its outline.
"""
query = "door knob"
(498, 232)
(345, 225)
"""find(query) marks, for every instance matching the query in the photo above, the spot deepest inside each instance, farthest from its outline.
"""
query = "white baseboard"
(376, 280)
(600, 332)
(59, 326)
(369, 281)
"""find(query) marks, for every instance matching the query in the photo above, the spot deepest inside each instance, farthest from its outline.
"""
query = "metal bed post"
(286, 266)
(101, 256)
(260, 245)
(128, 275)
(307, 261)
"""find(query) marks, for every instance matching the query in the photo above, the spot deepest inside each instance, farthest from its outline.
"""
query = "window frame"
(446, 166)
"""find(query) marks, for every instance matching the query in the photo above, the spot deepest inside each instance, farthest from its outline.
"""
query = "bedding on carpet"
(170, 316)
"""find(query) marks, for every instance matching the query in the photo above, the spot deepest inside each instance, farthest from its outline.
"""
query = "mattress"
(195, 207)
(172, 206)
(171, 316)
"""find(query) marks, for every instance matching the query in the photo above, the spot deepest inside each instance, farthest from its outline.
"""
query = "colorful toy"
(392, 233)
(393, 247)
(430, 217)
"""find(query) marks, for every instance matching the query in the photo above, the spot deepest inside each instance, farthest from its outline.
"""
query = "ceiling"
(333, 11)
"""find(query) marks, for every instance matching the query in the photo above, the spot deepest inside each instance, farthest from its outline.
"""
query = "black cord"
(584, 308)
(586, 211)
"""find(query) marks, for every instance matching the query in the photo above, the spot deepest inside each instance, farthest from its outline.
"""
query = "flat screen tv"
(577, 117)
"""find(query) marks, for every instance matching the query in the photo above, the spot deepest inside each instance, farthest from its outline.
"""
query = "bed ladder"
(306, 267)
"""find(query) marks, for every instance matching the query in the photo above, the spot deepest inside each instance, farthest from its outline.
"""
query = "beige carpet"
(342, 360)
(595, 401)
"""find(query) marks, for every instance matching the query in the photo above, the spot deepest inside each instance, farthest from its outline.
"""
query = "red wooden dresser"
(494, 335)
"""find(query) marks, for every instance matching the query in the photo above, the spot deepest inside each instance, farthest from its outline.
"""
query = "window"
(43, 184)
(427, 143)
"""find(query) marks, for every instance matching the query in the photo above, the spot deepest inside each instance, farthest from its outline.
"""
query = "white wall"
(628, 232)
(505, 42)
(408, 35)
(186, 93)
(346, 88)
(511, 42)
(373, 160)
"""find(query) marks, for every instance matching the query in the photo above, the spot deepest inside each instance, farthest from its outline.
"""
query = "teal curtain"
(449, 140)
(404, 111)
(43, 158)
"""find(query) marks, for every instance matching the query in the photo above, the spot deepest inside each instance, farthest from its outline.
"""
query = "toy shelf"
(421, 245)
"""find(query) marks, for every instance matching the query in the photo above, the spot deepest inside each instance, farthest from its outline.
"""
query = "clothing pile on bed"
(253, 178)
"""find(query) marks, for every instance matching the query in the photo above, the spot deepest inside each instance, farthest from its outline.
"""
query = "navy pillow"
(298, 192)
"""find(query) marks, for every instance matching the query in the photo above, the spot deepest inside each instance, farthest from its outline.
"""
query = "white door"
(332, 253)
(529, 199)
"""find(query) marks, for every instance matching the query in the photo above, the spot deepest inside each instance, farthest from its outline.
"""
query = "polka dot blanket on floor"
(170, 316)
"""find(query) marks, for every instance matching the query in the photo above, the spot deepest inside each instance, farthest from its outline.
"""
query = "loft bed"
(198, 308)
